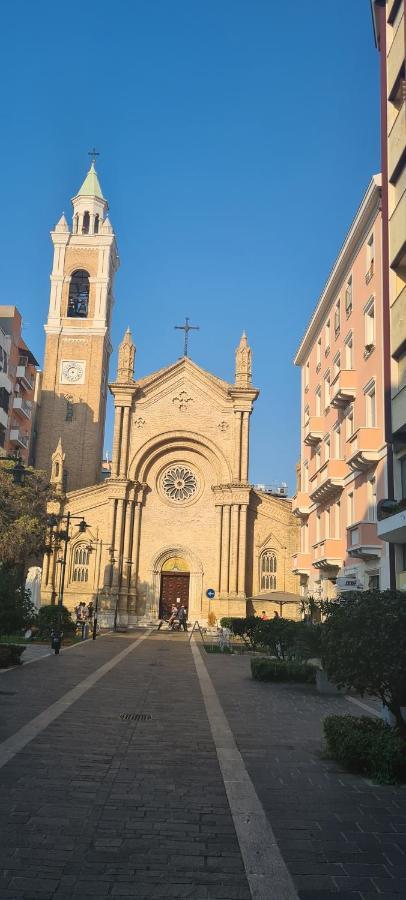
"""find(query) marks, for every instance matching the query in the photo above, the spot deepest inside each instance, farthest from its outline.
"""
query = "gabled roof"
(91, 185)
(183, 365)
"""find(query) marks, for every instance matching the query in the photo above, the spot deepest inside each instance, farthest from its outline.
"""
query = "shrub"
(211, 619)
(368, 746)
(226, 622)
(10, 655)
(47, 618)
(307, 640)
(364, 646)
(265, 669)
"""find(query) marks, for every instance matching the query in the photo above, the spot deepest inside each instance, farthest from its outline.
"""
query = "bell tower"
(77, 347)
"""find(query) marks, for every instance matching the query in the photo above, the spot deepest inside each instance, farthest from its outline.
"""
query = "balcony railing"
(18, 437)
(329, 554)
(392, 521)
(343, 388)
(23, 406)
(363, 541)
(363, 448)
(328, 481)
(301, 505)
(301, 563)
(314, 430)
(24, 375)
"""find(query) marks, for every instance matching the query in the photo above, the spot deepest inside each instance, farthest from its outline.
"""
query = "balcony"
(18, 437)
(397, 233)
(363, 449)
(24, 407)
(301, 564)
(329, 554)
(397, 143)
(399, 412)
(397, 323)
(314, 430)
(392, 521)
(395, 60)
(301, 505)
(363, 542)
(343, 388)
(329, 480)
(24, 376)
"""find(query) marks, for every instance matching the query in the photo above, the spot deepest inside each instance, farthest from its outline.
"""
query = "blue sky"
(237, 138)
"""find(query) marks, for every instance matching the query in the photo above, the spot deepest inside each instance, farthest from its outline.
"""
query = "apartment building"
(390, 33)
(342, 473)
(17, 386)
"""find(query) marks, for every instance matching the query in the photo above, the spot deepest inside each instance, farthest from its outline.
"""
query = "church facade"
(178, 517)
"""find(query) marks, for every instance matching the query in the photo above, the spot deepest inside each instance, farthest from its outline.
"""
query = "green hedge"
(10, 655)
(368, 746)
(47, 618)
(265, 669)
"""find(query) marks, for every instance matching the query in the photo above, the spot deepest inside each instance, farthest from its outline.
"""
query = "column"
(244, 446)
(116, 441)
(219, 515)
(108, 574)
(117, 544)
(135, 546)
(225, 554)
(234, 548)
(124, 442)
(242, 548)
(127, 542)
(237, 445)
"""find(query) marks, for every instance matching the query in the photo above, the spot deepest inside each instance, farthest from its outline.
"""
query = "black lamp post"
(19, 471)
(63, 536)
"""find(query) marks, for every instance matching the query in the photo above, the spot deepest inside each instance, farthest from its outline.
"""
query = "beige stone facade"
(178, 503)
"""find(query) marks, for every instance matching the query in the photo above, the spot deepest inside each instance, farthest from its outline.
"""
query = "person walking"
(182, 616)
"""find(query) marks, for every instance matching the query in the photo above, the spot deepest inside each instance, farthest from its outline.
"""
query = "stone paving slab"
(99, 807)
(338, 833)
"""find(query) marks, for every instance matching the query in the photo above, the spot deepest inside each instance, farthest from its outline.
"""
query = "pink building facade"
(342, 473)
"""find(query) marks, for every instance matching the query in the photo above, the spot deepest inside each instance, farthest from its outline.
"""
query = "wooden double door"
(174, 586)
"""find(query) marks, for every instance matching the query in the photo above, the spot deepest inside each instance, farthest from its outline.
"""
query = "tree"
(364, 646)
(16, 610)
(22, 516)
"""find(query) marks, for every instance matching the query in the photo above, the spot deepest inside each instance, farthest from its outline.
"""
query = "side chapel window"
(268, 570)
(80, 563)
(78, 300)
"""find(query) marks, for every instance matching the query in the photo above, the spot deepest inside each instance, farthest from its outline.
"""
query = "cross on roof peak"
(186, 328)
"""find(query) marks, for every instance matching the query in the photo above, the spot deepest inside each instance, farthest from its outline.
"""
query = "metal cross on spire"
(93, 153)
(186, 328)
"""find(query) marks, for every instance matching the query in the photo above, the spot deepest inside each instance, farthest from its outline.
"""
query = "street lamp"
(89, 548)
(19, 470)
(63, 536)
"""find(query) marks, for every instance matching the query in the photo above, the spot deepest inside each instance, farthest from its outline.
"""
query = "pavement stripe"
(266, 872)
(27, 733)
(374, 712)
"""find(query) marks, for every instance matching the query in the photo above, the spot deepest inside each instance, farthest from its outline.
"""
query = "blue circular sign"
(210, 593)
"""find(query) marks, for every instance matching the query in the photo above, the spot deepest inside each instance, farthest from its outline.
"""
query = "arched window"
(86, 223)
(268, 571)
(80, 563)
(78, 300)
(96, 223)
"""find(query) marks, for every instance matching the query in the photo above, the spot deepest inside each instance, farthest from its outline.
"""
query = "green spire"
(91, 186)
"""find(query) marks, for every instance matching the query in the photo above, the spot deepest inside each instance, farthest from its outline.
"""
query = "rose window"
(179, 483)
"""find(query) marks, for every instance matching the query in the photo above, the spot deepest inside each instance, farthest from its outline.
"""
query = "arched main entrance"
(193, 569)
(175, 580)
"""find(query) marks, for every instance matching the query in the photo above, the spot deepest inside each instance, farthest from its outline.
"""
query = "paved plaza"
(140, 766)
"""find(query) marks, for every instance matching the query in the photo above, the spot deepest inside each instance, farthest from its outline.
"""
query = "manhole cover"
(135, 717)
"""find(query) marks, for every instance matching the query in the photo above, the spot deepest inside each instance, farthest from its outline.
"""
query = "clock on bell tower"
(77, 349)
